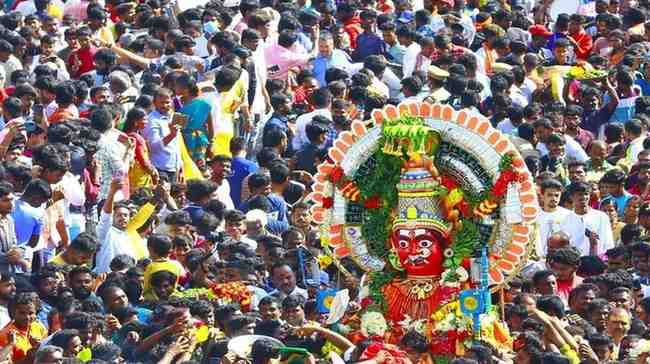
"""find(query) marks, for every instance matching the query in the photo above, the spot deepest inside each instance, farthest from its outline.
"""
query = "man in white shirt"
(284, 279)
(221, 169)
(544, 128)
(406, 38)
(111, 231)
(552, 216)
(322, 100)
(590, 229)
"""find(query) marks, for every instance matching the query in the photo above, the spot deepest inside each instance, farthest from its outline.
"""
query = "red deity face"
(419, 251)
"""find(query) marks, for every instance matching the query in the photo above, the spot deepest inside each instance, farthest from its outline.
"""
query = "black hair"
(292, 301)
(12, 106)
(132, 116)
(541, 275)
(567, 255)
(237, 323)
(179, 217)
(258, 180)
(38, 187)
(415, 341)
(265, 156)
(198, 189)
(314, 131)
(101, 119)
(279, 173)
(552, 305)
(107, 351)
(163, 276)
(84, 242)
(273, 137)
(160, 244)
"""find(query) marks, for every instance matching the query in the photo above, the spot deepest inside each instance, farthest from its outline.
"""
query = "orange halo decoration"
(487, 144)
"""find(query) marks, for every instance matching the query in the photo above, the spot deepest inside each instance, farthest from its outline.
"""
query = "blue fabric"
(241, 167)
(592, 121)
(28, 221)
(164, 157)
(196, 212)
(624, 110)
(338, 59)
(277, 121)
(278, 221)
(644, 85)
(195, 132)
(369, 44)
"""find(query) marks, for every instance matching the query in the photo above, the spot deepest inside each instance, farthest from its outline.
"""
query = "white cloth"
(223, 195)
(549, 223)
(259, 103)
(113, 242)
(201, 47)
(410, 58)
(527, 88)
(296, 291)
(300, 139)
(594, 220)
(12, 64)
(4, 316)
(393, 82)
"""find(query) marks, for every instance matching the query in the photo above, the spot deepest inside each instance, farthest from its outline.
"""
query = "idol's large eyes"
(403, 244)
(425, 243)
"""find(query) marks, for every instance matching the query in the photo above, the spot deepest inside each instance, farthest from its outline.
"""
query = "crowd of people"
(156, 159)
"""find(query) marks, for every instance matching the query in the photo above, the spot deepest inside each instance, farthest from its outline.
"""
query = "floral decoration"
(233, 292)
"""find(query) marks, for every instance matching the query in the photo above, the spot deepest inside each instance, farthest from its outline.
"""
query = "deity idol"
(413, 198)
(418, 238)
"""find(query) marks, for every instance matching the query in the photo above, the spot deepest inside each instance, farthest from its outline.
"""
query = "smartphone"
(127, 99)
(37, 111)
(587, 232)
(179, 119)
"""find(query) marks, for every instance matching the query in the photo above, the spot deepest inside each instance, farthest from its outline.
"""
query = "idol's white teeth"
(418, 260)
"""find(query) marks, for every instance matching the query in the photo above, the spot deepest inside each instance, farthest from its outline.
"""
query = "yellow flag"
(190, 170)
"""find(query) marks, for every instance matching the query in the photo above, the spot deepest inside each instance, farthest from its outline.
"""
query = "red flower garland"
(328, 202)
(336, 175)
(235, 292)
(501, 185)
(372, 203)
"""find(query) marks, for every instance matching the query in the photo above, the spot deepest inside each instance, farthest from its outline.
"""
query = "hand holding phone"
(179, 119)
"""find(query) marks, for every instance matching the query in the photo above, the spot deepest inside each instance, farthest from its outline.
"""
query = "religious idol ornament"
(412, 197)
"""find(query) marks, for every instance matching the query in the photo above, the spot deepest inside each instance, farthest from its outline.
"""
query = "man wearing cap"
(539, 41)
(437, 77)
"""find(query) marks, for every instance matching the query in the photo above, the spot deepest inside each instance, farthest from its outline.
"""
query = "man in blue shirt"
(281, 104)
(28, 215)
(241, 167)
(329, 57)
(368, 42)
(262, 198)
(162, 136)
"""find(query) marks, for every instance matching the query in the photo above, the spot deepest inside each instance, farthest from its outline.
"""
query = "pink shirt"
(239, 28)
(279, 60)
